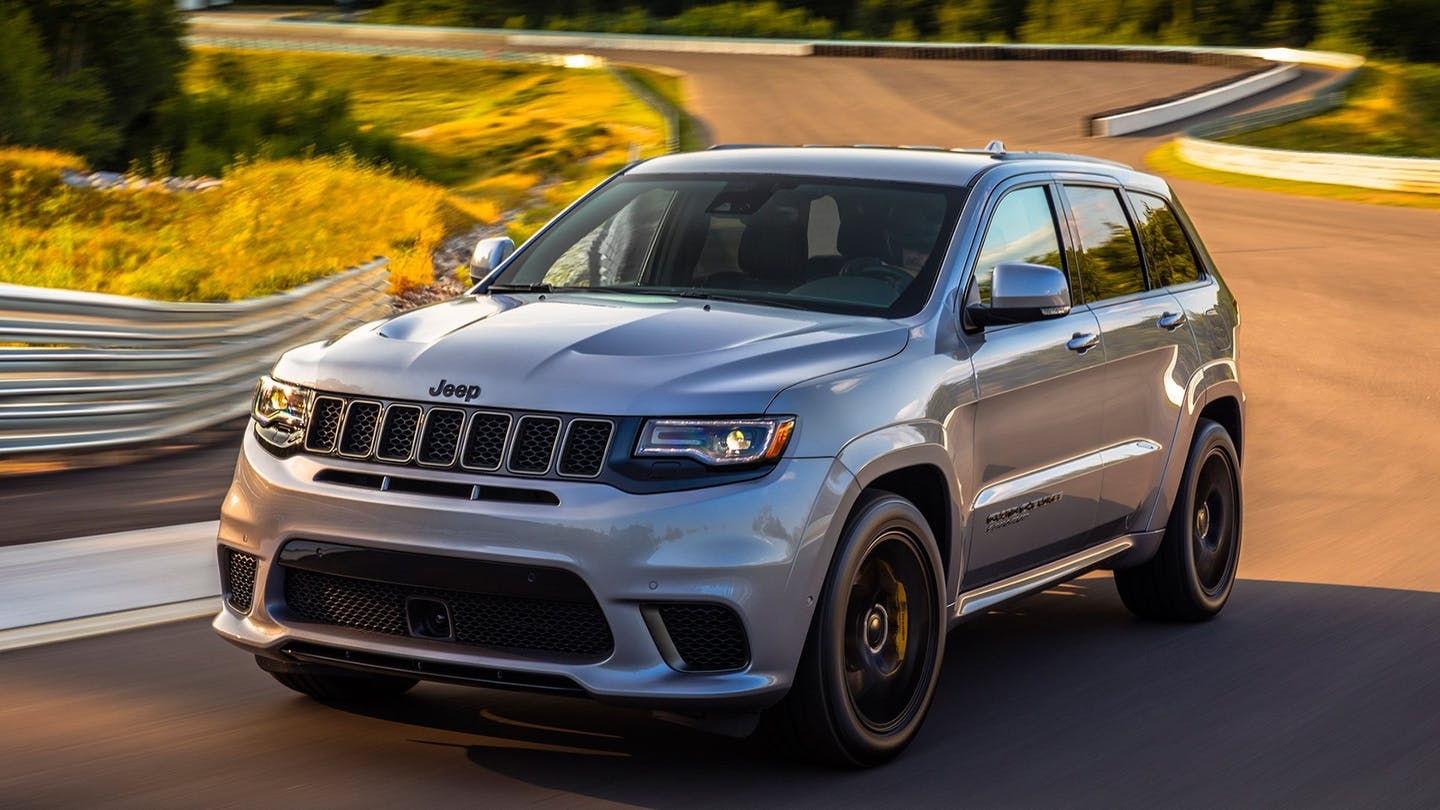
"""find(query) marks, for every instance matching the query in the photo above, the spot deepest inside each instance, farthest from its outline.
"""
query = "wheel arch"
(1227, 411)
(1223, 403)
(911, 461)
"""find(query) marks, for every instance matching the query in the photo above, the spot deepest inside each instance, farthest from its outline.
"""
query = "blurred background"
(186, 190)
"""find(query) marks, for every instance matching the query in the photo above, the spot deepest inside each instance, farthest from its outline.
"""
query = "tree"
(130, 49)
(40, 109)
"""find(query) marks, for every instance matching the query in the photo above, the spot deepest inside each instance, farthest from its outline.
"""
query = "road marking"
(69, 630)
(64, 589)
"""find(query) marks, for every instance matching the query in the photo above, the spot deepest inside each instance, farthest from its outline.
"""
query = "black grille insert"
(586, 444)
(442, 436)
(534, 444)
(397, 437)
(485, 441)
(325, 425)
(240, 579)
(358, 436)
(707, 637)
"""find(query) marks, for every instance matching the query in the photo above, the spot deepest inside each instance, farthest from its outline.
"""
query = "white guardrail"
(1199, 145)
(84, 371)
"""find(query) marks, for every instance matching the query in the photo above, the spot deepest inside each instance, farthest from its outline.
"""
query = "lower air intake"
(707, 637)
(240, 579)
(499, 622)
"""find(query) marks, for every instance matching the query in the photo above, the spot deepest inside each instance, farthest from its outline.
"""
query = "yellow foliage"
(512, 141)
(270, 226)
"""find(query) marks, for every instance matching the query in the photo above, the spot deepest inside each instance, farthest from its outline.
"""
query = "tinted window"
(1109, 260)
(846, 246)
(1022, 229)
(1172, 259)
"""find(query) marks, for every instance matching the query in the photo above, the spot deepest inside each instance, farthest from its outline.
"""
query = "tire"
(1192, 573)
(359, 687)
(872, 657)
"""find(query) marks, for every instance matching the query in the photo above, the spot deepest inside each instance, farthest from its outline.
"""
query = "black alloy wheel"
(1193, 572)
(872, 658)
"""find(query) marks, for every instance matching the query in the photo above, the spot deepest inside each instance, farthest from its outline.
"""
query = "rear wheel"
(339, 687)
(870, 664)
(1192, 574)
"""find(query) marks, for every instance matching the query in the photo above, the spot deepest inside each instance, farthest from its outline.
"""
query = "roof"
(904, 163)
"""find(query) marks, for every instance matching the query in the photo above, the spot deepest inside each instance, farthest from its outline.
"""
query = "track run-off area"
(1319, 686)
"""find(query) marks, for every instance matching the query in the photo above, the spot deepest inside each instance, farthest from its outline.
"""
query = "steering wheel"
(879, 269)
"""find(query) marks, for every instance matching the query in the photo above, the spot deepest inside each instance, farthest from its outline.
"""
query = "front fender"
(859, 465)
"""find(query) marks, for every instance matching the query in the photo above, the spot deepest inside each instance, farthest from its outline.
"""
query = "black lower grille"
(709, 638)
(240, 579)
(499, 622)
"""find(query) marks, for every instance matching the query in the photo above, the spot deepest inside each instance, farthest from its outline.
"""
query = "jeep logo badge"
(445, 388)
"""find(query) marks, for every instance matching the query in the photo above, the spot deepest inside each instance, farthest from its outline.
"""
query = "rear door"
(1150, 353)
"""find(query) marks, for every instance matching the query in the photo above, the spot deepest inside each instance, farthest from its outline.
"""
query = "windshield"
(830, 245)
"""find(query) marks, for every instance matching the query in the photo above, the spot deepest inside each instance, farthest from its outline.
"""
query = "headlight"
(717, 441)
(281, 411)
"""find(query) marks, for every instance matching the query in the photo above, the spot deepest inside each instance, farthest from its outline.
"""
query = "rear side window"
(1109, 259)
(1022, 229)
(1171, 257)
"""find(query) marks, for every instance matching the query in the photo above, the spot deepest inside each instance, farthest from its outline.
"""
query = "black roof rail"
(995, 150)
(1061, 156)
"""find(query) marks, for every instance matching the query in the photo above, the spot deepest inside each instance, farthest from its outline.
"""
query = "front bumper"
(759, 548)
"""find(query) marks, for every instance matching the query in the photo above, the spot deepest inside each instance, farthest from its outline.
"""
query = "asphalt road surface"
(1319, 686)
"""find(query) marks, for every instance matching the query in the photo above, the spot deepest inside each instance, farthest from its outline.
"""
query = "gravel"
(453, 254)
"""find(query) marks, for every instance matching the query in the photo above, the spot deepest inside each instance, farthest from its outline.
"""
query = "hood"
(615, 355)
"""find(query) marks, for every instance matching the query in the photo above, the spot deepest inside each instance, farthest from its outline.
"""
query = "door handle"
(1083, 342)
(1171, 321)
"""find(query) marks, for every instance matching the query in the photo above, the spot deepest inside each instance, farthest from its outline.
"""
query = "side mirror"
(488, 255)
(1020, 293)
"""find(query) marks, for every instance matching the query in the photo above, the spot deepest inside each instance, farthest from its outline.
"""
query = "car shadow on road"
(1315, 694)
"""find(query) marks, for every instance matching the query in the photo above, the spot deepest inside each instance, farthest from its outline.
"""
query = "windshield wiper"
(566, 288)
(739, 299)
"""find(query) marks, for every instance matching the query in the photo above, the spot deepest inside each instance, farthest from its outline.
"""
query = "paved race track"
(1319, 686)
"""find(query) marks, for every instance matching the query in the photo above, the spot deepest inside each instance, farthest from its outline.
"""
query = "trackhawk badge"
(1015, 514)
(445, 388)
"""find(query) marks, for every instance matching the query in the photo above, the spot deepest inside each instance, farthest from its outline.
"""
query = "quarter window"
(1172, 259)
(1022, 229)
(1109, 260)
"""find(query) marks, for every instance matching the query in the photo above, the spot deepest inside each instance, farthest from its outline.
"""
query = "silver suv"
(742, 433)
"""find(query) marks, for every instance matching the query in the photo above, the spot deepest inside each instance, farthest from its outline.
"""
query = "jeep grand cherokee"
(743, 433)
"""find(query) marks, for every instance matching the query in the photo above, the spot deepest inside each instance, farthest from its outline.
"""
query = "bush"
(273, 225)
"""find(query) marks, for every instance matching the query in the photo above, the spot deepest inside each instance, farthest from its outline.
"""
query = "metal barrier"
(85, 371)
(1199, 146)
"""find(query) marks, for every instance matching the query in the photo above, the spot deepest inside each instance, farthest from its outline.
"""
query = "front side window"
(1172, 259)
(1022, 229)
(829, 245)
(1109, 260)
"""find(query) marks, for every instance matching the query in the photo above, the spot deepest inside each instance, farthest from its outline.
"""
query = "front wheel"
(871, 661)
(1191, 575)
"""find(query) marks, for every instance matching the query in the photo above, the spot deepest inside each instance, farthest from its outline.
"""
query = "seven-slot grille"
(444, 436)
